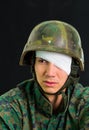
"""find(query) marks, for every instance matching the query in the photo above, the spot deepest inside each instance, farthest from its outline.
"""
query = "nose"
(50, 70)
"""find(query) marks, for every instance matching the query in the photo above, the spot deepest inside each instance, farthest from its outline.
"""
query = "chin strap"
(72, 79)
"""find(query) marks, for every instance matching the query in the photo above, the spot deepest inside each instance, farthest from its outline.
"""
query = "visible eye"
(41, 60)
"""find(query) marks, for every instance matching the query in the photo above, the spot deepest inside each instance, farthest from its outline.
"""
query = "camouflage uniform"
(25, 108)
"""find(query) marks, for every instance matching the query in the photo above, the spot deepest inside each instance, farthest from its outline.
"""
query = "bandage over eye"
(62, 61)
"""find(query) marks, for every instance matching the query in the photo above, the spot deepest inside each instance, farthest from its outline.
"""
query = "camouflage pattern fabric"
(25, 108)
(54, 36)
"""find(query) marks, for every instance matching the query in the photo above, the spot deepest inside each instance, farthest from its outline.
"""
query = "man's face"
(50, 77)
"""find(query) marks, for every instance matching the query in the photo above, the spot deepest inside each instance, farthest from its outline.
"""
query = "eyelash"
(42, 60)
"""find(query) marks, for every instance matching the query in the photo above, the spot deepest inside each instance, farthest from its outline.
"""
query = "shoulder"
(81, 91)
(16, 97)
(80, 97)
(14, 103)
(17, 93)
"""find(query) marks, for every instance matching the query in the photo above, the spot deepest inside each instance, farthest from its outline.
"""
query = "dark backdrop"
(18, 17)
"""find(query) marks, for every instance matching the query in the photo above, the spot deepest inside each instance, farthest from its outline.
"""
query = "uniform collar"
(43, 104)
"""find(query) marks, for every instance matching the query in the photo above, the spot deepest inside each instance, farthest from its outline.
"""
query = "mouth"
(50, 83)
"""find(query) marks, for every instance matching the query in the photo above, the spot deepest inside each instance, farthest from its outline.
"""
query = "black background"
(18, 17)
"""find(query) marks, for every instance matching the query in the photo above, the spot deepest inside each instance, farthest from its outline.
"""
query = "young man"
(54, 99)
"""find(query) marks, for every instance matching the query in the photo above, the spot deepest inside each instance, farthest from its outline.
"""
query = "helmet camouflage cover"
(55, 36)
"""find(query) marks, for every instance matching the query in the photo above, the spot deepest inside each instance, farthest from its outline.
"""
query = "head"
(53, 37)
(52, 70)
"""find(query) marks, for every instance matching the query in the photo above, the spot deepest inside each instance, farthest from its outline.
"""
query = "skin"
(50, 78)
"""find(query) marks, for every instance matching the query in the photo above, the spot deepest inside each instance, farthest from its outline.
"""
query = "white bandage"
(60, 60)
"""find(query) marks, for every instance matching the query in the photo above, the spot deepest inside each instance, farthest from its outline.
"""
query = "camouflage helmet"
(55, 36)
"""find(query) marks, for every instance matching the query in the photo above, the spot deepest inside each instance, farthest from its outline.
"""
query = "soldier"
(53, 99)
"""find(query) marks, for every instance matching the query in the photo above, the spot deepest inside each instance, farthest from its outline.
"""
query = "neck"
(55, 100)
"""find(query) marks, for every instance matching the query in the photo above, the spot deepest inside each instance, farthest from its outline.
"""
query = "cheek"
(38, 75)
(63, 77)
(37, 71)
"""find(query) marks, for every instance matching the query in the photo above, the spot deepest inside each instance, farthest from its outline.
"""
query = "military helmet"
(54, 36)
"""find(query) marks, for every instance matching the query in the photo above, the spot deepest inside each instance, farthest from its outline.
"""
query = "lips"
(50, 83)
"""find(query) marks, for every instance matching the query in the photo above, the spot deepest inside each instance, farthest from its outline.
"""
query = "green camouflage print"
(25, 108)
(55, 36)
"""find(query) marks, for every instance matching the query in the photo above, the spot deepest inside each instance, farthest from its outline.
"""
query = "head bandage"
(62, 61)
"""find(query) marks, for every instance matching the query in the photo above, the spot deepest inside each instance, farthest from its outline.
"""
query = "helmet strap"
(73, 78)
